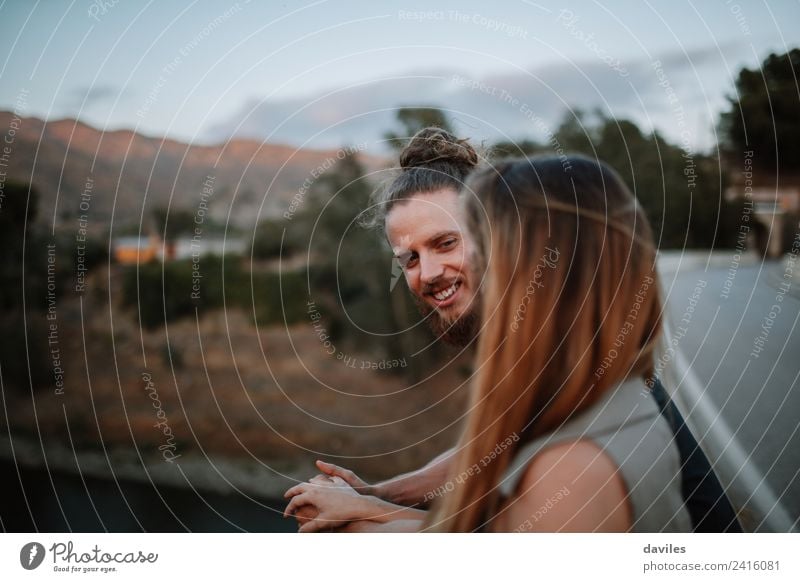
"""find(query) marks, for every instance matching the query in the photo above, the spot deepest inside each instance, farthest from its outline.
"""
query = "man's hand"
(348, 476)
(336, 502)
(329, 502)
(307, 513)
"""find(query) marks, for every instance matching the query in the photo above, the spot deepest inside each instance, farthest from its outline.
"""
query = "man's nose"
(430, 270)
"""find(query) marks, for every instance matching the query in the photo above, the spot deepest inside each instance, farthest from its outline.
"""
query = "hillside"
(58, 157)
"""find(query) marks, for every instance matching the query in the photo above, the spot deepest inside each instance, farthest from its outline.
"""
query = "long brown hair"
(571, 308)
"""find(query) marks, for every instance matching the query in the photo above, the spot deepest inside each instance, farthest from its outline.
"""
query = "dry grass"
(232, 390)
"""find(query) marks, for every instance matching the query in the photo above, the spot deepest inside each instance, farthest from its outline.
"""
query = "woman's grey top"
(627, 425)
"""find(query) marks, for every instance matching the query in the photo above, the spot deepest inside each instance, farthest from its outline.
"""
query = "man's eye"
(411, 263)
(448, 244)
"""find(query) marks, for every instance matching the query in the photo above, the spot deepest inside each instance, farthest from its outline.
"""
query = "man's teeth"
(444, 294)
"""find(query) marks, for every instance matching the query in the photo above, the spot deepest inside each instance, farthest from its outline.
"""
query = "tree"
(765, 113)
(412, 119)
(577, 133)
(515, 149)
(17, 215)
(23, 324)
(681, 192)
(269, 241)
(348, 267)
(350, 274)
(172, 223)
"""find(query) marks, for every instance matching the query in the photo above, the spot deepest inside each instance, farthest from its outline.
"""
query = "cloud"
(87, 97)
(344, 115)
(504, 105)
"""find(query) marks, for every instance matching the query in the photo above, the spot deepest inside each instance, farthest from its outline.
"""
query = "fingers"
(321, 480)
(305, 514)
(296, 490)
(327, 468)
(337, 471)
(329, 477)
(296, 502)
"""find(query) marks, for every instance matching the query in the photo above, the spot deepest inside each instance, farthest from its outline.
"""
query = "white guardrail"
(756, 504)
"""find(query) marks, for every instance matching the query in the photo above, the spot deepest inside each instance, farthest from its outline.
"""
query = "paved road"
(739, 329)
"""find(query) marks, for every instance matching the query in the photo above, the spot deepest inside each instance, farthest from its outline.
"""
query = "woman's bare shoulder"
(570, 487)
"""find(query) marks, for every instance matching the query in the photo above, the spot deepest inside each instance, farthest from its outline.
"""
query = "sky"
(330, 73)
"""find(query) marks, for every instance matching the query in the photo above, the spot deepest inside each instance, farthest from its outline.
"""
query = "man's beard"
(457, 332)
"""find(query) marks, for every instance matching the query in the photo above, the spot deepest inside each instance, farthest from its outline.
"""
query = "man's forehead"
(423, 218)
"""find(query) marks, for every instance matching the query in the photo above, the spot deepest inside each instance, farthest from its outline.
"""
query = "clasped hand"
(328, 502)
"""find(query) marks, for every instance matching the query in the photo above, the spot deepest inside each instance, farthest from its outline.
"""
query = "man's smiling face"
(428, 237)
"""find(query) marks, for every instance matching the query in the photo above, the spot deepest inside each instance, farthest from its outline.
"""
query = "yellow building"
(131, 250)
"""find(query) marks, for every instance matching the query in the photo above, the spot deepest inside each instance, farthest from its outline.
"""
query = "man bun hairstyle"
(436, 145)
(433, 159)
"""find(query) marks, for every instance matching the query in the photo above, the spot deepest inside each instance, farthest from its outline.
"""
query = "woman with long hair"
(561, 433)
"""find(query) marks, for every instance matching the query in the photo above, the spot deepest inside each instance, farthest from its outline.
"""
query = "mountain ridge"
(253, 180)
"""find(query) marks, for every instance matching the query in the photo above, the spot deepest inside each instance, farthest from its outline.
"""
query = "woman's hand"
(336, 501)
(305, 514)
(348, 476)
